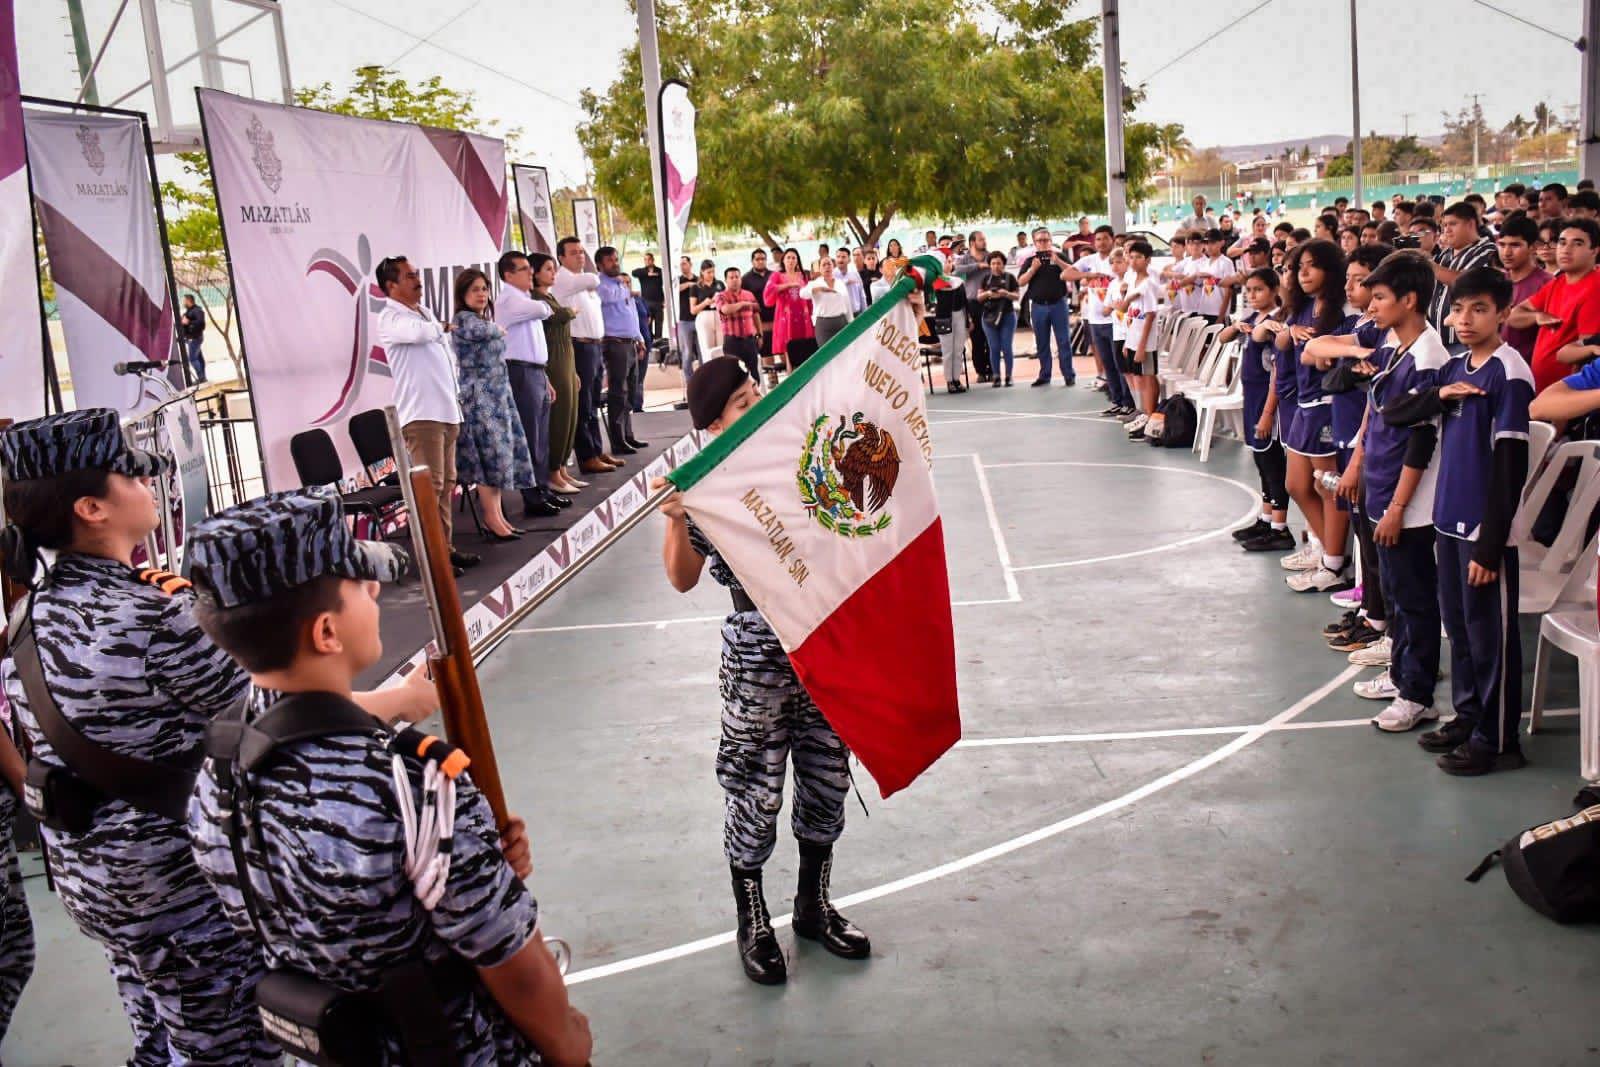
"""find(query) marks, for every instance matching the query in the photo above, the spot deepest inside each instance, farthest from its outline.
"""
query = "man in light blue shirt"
(620, 347)
(527, 357)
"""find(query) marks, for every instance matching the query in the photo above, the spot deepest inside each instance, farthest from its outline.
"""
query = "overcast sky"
(1282, 73)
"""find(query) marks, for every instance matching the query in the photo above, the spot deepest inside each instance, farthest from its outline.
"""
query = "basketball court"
(1169, 836)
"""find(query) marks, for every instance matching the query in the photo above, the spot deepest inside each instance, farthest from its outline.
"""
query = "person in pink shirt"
(793, 336)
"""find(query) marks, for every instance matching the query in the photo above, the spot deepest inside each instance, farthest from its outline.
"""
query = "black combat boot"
(814, 915)
(758, 945)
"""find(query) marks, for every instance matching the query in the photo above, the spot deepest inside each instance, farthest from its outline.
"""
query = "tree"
(1170, 147)
(195, 232)
(859, 113)
(1460, 131)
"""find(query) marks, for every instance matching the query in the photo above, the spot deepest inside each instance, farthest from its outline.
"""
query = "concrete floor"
(1259, 878)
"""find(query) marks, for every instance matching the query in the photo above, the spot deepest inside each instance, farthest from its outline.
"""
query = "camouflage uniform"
(323, 839)
(16, 924)
(130, 670)
(767, 720)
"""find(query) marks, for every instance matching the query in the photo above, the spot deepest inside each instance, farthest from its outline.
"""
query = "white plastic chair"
(1578, 634)
(1192, 360)
(1537, 489)
(1212, 403)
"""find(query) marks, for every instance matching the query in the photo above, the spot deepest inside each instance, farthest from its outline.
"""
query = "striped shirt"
(1481, 253)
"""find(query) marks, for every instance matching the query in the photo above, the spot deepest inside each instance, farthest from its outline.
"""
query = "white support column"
(158, 69)
(1589, 94)
(1355, 107)
(650, 63)
(1116, 166)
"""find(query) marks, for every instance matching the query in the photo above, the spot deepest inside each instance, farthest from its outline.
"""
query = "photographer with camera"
(1046, 274)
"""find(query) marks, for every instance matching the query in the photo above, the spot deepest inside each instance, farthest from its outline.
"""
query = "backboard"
(150, 55)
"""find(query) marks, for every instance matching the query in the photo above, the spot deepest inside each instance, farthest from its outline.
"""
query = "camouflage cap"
(255, 550)
(90, 439)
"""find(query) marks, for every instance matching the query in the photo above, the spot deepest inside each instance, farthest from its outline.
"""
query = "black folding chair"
(369, 433)
(316, 461)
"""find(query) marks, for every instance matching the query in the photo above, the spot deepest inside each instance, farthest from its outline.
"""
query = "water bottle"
(1329, 480)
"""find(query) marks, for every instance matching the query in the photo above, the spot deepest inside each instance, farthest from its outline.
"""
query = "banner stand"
(666, 240)
(238, 320)
(185, 376)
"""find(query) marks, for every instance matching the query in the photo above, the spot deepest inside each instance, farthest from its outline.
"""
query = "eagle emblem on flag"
(847, 475)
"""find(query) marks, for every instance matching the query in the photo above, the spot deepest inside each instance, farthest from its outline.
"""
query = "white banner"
(91, 187)
(310, 203)
(586, 227)
(680, 160)
(535, 211)
(21, 336)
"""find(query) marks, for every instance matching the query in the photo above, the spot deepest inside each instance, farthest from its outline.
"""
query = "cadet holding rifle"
(366, 861)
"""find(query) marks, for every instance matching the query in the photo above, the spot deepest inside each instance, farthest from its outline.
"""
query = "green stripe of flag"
(705, 461)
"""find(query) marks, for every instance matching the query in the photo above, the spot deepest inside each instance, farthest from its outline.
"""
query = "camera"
(1407, 240)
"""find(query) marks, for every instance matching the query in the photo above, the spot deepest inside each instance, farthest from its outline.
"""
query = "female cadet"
(767, 719)
(116, 670)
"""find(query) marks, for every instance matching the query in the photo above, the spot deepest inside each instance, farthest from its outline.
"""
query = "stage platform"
(514, 571)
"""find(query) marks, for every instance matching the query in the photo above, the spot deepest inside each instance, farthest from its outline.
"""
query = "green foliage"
(840, 110)
(1385, 155)
(380, 93)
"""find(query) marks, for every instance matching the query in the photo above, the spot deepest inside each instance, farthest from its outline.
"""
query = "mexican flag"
(821, 500)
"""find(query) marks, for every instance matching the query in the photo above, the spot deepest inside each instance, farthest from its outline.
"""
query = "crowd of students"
(1390, 362)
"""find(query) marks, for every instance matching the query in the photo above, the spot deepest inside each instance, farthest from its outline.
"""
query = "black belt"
(741, 600)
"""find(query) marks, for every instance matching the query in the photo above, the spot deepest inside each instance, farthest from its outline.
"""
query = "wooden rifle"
(450, 659)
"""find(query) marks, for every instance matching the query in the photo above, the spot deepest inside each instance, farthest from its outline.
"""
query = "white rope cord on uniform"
(428, 833)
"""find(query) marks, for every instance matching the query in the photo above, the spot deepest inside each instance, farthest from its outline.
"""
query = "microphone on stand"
(136, 367)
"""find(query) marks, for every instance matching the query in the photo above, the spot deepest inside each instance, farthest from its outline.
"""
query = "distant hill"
(1323, 144)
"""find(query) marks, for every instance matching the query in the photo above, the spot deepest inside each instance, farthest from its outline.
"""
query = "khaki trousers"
(433, 444)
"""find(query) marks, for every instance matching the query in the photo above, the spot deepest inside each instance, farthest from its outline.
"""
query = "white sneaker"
(1320, 580)
(1402, 715)
(1376, 654)
(1347, 598)
(1308, 557)
(1138, 423)
(1379, 688)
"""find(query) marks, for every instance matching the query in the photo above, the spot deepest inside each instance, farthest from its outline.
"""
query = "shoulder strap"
(238, 747)
(165, 581)
(161, 787)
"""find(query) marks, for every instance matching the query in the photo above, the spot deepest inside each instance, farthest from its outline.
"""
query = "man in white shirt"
(425, 387)
(1215, 271)
(527, 358)
(844, 268)
(578, 289)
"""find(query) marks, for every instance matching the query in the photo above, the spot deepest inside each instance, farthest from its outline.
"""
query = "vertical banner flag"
(586, 227)
(821, 499)
(310, 203)
(21, 338)
(91, 187)
(680, 160)
(534, 210)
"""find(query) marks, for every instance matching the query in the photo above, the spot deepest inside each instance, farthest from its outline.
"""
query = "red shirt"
(1578, 307)
(739, 323)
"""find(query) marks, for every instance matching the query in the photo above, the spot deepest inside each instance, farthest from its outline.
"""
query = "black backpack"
(1554, 867)
(1178, 422)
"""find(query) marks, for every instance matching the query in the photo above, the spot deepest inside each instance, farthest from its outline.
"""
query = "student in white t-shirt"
(1116, 290)
(1179, 276)
(1212, 275)
(1098, 316)
(1144, 294)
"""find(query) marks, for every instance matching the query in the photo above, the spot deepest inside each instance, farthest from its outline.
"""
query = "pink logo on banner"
(365, 357)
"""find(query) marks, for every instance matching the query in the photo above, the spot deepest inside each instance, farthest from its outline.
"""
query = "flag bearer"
(767, 720)
(107, 662)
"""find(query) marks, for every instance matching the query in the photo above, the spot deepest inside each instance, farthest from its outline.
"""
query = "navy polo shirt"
(1472, 427)
(1400, 372)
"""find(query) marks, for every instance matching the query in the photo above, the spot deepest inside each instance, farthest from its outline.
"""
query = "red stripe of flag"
(882, 666)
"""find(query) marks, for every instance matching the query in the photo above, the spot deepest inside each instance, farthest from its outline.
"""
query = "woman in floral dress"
(492, 451)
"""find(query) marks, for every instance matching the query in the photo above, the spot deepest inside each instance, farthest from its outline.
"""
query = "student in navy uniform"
(1482, 397)
(1399, 473)
(340, 886)
(129, 672)
(1270, 530)
(1358, 336)
(768, 719)
(1314, 306)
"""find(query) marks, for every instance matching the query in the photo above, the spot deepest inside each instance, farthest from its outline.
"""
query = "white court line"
(973, 859)
(1012, 592)
(1186, 731)
(662, 624)
(1255, 507)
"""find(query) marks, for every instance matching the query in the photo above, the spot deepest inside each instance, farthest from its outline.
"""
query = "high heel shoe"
(500, 539)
